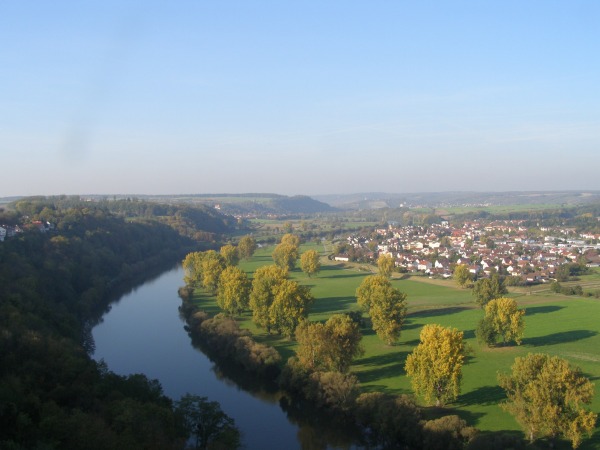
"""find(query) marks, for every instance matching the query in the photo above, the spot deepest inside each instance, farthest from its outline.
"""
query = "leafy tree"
(563, 273)
(246, 247)
(435, 365)
(343, 338)
(368, 288)
(462, 275)
(309, 261)
(289, 307)
(210, 426)
(265, 280)
(285, 255)
(233, 290)
(485, 333)
(330, 346)
(291, 239)
(192, 265)
(386, 264)
(388, 310)
(230, 254)
(212, 266)
(385, 304)
(502, 320)
(312, 343)
(488, 289)
(546, 397)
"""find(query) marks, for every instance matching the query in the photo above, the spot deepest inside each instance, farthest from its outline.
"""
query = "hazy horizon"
(152, 98)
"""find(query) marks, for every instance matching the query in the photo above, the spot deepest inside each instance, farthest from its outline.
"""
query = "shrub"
(388, 421)
(334, 390)
(447, 433)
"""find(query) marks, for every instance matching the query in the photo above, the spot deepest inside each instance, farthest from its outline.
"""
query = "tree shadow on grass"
(484, 395)
(381, 360)
(409, 325)
(331, 304)
(384, 366)
(469, 334)
(345, 275)
(439, 311)
(392, 370)
(329, 267)
(559, 338)
(530, 311)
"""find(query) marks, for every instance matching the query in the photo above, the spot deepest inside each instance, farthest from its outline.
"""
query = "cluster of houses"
(504, 247)
(9, 231)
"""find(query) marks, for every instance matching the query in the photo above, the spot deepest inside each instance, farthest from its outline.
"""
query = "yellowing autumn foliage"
(435, 365)
(505, 319)
(545, 395)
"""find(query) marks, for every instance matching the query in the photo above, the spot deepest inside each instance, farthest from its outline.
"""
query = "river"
(144, 333)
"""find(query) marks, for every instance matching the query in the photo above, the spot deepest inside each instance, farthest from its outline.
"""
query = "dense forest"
(55, 281)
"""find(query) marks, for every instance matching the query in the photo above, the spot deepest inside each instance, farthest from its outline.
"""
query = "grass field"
(555, 324)
(497, 209)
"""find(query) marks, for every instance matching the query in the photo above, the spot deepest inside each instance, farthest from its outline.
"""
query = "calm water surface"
(143, 333)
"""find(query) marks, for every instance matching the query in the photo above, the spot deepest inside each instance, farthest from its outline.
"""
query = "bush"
(185, 292)
(333, 390)
(294, 377)
(447, 433)
(566, 290)
(258, 358)
(513, 281)
(388, 421)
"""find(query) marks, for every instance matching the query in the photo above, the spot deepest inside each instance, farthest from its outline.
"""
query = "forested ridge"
(53, 285)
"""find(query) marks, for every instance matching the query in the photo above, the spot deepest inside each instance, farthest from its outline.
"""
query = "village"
(505, 247)
(9, 231)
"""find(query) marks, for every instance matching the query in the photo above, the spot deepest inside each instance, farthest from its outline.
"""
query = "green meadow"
(568, 327)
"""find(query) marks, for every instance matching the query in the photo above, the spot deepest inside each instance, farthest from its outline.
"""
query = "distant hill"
(375, 200)
(253, 203)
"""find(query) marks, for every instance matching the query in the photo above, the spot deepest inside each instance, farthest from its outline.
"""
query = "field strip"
(581, 355)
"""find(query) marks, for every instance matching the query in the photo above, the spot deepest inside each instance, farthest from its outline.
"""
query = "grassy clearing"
(564, 326)
(497, 209)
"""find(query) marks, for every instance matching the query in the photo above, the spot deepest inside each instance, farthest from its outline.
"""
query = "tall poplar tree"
(435, 365)
(309, 262)
(233, 290)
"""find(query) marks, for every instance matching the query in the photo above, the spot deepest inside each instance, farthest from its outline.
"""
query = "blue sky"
(323, 97)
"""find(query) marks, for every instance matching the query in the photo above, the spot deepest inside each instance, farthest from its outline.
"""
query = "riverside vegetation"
(370, 388)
